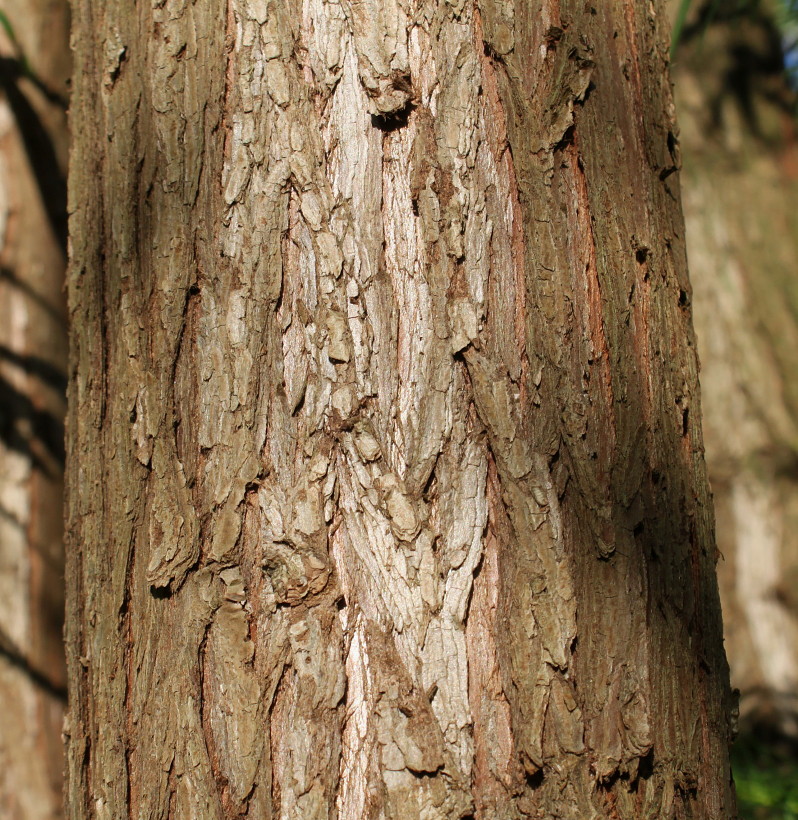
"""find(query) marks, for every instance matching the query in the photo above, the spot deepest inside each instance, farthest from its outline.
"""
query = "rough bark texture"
(741, 205)
(386, 486)
(32, 383)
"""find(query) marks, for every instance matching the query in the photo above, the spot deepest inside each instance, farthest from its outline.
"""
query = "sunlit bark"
(386, 489)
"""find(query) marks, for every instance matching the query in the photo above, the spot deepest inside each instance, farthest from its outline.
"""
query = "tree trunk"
(741, 206)
(33, 145)
(386, 494)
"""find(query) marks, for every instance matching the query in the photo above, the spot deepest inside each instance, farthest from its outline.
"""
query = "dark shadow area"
(395, 120)
(29, 430)
(36, 366)
(38, 145)
(16, 658)
(752, 57)
(763, 717)
(9, 276)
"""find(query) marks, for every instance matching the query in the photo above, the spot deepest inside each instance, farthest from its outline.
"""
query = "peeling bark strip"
(382, 499)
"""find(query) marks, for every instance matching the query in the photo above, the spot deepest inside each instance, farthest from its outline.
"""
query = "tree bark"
(741, 206)
(33, 146)
(386, 493)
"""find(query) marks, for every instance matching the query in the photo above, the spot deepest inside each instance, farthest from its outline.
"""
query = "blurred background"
(735, 71)
(735, 74)
(34, 73)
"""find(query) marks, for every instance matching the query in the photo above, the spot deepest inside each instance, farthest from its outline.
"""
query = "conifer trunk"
(386, 494)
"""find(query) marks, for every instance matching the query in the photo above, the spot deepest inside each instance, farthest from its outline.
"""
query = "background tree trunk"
(386, 493)
(741, 205)
(33, 145)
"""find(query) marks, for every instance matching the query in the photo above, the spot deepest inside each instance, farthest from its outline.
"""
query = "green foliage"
(5, 24)
(678, 24)
(7, 27)
(766, 777)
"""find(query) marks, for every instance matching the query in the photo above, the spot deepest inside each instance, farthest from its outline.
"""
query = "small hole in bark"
(567, 139)
(591, 87)
(491, 53)
(117, 70)
(639, 529)
(340, 603)
(394, 120)
(535, 781)
(299, 405)
(606, 783)
(553, 36)
(641, 254)
(430, 485)
(160, 592)
(646, 766)
(684, 298)
(685, 421)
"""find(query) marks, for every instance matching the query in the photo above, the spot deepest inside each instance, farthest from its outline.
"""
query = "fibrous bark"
(34, 67)
(386, 490)
(741, 206)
